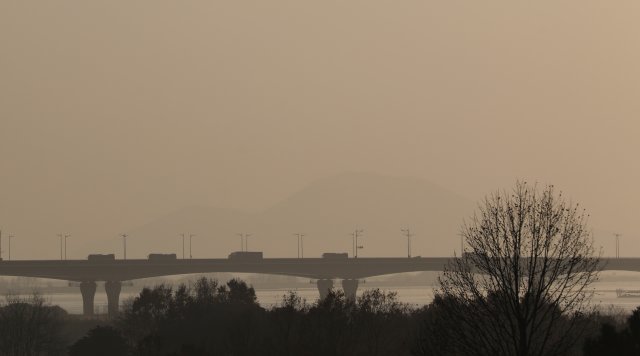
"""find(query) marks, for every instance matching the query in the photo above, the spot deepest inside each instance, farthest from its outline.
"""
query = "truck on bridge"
(162, 257)
(335, 256)
(101, 257)
(245, 256)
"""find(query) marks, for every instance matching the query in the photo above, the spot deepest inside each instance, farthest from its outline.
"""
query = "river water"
(605, 297)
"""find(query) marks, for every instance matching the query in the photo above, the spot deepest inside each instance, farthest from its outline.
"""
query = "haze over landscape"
(156, 118)
(243, 177)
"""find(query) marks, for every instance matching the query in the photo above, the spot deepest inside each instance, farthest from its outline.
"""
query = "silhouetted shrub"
(621, 341)
(29, 327)
(100, 341)
(207, 318)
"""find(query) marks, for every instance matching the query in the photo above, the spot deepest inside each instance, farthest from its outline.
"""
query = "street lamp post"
(407, 233)
(9, 255)
(124, 242)
(357, 233)
(300, 244)
(61, 236)
(182, 234)
(65, 245)
(190, 236)
(244, 241)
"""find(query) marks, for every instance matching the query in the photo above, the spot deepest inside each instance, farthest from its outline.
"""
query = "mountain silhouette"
(326, 211)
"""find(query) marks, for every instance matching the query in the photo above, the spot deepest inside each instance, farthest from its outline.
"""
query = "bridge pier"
(113, 289)
(88, 291)
(350, 287)
(324, 286)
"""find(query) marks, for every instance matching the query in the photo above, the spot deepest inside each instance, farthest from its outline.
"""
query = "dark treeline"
(209, 318)
(214, 319)
(30, 327)
(616, 338)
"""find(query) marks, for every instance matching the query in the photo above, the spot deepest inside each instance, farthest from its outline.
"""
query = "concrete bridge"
(324, 270)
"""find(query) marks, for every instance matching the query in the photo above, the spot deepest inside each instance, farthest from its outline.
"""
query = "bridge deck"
(80, 270)
(318, 268)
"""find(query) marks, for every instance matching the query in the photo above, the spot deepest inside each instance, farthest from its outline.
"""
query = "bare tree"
(522, 285)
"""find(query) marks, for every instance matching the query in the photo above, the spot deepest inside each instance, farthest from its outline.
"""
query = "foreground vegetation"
(210, 318)
(521, 287)
(214, 319)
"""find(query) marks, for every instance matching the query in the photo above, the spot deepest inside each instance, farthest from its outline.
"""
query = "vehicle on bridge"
(101, 257)
(335, 256)
(627, 293)
(245, 256)
(162, 257)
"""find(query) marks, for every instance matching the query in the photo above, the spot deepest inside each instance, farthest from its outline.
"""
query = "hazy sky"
(113, 113)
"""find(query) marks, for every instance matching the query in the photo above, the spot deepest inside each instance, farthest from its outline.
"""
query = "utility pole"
(408, 234)
(190, 236)
(357, 233)
(617, 244)
(124, 242)
(300, 244)
(9, 256)
(0, 244)
(65, 246)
